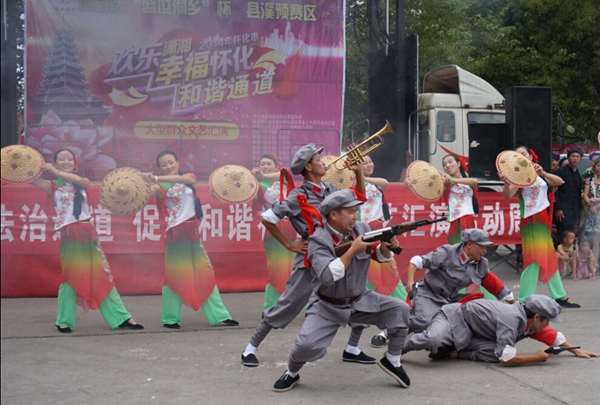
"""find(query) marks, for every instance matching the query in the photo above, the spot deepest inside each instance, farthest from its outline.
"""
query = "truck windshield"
(485, 118)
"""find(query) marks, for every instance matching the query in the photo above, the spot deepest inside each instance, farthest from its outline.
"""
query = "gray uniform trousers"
(426, 304)
(455, 332)
(317, 332)
(297, 292)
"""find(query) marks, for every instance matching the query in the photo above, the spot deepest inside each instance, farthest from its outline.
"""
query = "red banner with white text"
(231, 234)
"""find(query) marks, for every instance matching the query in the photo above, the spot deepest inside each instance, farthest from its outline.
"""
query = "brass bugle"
(358, 152)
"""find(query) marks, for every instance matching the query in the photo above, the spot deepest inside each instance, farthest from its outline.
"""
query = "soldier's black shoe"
(286, 382)
(249, 360)
(358, 358)
(566, 304)
(397, 372)
(378, 341)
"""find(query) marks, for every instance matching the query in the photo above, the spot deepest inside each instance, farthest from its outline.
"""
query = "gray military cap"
(475, 235)
(303, 156)
(338, 199)
(543, 305)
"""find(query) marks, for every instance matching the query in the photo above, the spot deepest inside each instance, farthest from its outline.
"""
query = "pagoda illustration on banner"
(64, 87)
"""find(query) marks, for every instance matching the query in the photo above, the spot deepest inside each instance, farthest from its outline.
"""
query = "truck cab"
(459, 113)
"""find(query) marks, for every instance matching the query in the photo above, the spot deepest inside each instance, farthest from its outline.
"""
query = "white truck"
(459, 113)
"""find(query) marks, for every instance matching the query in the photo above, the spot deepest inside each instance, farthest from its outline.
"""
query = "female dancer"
(383, 277)
(279, 260)
(85, 271)
(459, 195)
(189, 276)
(539, 258)
(591, 196)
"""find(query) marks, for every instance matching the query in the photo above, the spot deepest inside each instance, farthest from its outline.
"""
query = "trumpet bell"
(358, 152)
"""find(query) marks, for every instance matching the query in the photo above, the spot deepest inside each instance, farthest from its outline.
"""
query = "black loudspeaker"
(486, 141)
(529, 120)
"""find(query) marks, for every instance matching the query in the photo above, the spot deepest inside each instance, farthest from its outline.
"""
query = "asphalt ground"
(200, 364)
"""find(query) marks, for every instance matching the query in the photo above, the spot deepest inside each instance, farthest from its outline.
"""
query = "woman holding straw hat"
(280, 261)
(539, 258)
(189, 276)
(86, 273)
(459, 193)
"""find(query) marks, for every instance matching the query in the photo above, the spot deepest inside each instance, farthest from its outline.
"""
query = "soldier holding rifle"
(340, 296)
(300, 207)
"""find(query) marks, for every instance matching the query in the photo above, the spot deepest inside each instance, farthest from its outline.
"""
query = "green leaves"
(506, 42)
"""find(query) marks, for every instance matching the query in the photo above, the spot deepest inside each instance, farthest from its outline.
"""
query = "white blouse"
(179, 200)
(535, 198)
(63, 198)
(460, 201)
(372, 209)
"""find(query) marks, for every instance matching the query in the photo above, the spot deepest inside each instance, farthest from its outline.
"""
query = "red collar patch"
(316, 190)
(463, 257)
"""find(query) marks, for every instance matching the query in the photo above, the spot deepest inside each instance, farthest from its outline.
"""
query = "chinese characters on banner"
(218, 82)
(231, 234)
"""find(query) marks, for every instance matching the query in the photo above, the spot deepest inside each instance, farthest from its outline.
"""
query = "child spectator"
(564, 253)
(583, 261)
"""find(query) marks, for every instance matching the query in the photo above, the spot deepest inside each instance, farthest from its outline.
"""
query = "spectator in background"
(591, 198)
(567, 207)
(555, 162)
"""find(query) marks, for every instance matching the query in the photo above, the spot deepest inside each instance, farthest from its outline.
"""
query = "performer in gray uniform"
(484, 330)
(300, 207)
(449, 269)
(340, 295)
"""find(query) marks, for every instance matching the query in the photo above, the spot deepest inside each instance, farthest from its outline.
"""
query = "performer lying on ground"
(484, 330)
(340, 296)
(449, 269)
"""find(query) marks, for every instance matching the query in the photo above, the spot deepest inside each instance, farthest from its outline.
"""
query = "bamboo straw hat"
(124, 191)
(340, 178)
(20, 164)
(424, 180)
(233, 184)
(518, 169)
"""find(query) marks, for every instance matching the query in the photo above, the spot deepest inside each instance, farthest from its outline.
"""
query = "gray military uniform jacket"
(290, 208)
(353, 285)
(449, 270)
(496, 321)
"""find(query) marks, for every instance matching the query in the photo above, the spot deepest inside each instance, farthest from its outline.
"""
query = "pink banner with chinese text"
(217, 82)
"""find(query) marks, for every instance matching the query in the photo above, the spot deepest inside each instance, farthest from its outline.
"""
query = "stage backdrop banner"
(231, 234)
(217, 82)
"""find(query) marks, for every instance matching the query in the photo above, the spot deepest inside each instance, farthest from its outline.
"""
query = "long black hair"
(197, 204)
(464, 174)
(77, 201)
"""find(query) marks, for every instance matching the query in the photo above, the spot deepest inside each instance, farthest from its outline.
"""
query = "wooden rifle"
(386, 234)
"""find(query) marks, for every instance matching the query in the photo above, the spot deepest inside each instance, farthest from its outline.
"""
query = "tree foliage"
(506, 42)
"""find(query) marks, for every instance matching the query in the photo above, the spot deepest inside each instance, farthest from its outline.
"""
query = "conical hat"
(424, 180)
(340, 178)
(124, 191)
(518, 169)
(233, 184)
(20, 164)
